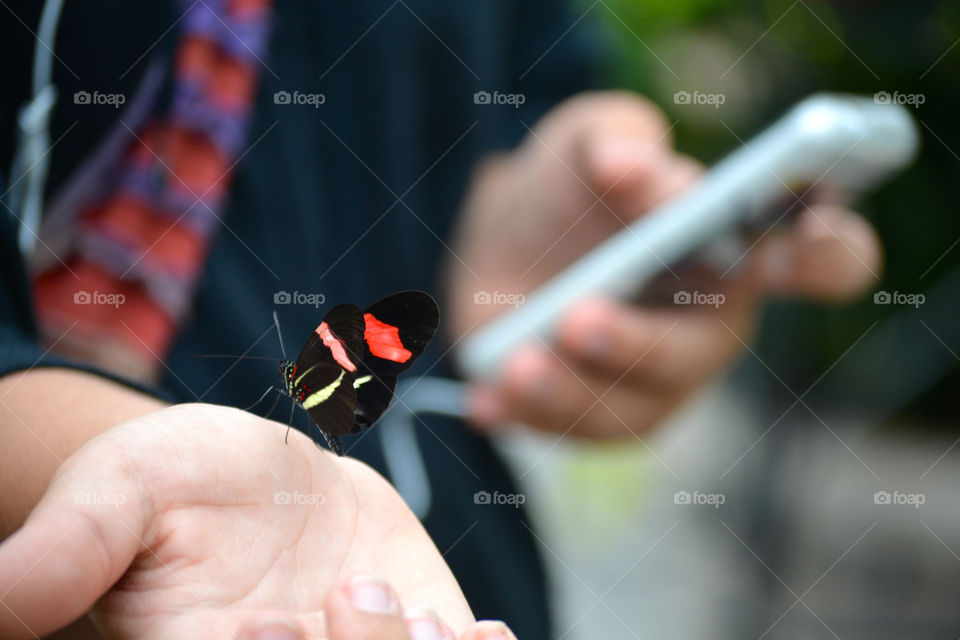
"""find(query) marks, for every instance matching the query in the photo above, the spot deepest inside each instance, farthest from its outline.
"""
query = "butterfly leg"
(274, 405)
(269, 389)
(293, 407)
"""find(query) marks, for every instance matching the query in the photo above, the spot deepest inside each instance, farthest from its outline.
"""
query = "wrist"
(48, 413)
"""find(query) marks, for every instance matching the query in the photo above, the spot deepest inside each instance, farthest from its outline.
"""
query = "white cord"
(398, 436)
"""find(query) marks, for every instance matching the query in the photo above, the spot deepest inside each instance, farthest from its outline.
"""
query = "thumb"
(76, 543)
(627, 159)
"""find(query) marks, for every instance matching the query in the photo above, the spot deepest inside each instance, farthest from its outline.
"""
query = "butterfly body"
(347, 370)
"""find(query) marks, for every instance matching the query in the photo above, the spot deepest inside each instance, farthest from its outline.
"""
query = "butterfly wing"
(396, 331)
(326, 369)
(331, 404)
(374, 394)
(338, 338)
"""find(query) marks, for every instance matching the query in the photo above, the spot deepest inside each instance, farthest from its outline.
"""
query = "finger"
(540, 391)
(831, 254)
(275, 626)
(424, 624)
(627, 113)
(364, 607)
(78, 541)
(663, 350)
(632, 183)
(667, 181)
(625, 155)
(488, 630)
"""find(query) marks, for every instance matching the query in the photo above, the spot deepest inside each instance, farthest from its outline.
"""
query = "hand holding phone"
(845, 144)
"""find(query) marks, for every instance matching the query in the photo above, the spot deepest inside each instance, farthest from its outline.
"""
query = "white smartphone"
(843, 143)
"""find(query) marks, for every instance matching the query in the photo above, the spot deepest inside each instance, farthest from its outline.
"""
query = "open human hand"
(197, 521)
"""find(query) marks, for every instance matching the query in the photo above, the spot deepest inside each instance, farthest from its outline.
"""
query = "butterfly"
(347, 370)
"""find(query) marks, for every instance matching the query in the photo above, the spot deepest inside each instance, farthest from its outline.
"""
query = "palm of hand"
(224, 519)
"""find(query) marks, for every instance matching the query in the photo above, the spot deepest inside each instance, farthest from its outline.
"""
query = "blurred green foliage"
(764, 55)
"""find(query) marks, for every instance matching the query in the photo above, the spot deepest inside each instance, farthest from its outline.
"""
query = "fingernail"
(494, 630)
(372, 595)
(614, 155)
(424, 625)
(274, 629)
(618, 150)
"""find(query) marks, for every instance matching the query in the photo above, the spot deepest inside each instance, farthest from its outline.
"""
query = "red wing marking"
(336, 347)
(384, 341)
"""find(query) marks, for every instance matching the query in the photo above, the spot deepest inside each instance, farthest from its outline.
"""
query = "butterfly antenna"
(276, 323)
(224, 355)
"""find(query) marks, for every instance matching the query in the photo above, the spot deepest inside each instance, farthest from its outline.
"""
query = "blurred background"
(811, 494)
